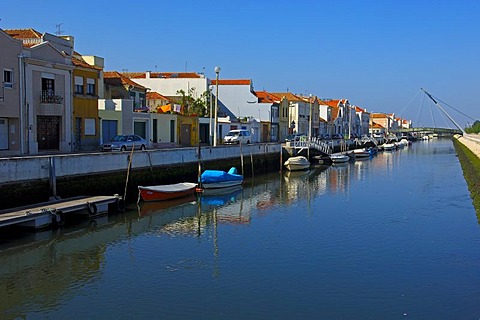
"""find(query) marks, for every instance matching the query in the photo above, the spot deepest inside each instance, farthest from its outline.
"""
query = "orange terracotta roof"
(115, 77)
(358, 109)
(335, 112)
(29, 37)
(152, 95)
(232, 82)
(378, 115)
(288, 95)
(265, 97)
(23, 33)
(162, 75)
(332, 103)
(376, 126)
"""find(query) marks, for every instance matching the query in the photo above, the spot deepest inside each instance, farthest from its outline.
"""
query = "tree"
(193, 105)
(475, 128)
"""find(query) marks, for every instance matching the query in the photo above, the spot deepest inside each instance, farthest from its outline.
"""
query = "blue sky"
(377, 54)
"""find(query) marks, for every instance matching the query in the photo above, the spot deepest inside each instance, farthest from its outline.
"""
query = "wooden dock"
(53, 212)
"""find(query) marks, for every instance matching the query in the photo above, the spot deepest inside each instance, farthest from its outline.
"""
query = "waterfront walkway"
(472, 142)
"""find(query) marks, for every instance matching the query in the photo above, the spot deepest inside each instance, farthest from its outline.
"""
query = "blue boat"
(213, 179)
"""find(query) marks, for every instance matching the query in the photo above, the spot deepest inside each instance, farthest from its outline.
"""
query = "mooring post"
(53, 178)
(281, 158)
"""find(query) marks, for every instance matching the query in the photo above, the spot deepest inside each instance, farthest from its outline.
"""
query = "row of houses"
(53, 98)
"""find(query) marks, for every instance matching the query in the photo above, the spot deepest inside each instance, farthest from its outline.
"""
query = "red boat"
(166, 191)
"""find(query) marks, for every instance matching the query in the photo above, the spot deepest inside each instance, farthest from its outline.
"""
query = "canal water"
(391, 237)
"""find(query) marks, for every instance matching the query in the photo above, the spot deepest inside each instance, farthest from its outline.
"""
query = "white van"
(237, 136)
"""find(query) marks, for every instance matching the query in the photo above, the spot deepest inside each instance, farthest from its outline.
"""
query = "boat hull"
(339, 158)
(388, 146)
(166, 192)
(297, 167)
(297, 163)
(216, 179)
(360, 153)
(222, 184)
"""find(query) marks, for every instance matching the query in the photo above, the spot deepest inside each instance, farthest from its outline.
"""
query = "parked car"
(125, 142)
(295, 137)
(237, 136)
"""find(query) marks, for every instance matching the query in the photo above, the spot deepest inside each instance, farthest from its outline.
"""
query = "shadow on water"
(325, 231)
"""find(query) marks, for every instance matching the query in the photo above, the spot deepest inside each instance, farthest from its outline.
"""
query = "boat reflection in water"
(148, 208)
(221, 196)
(226, 204)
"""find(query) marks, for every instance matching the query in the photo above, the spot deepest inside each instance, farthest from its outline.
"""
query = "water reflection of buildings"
(303, 185)
(77, 255)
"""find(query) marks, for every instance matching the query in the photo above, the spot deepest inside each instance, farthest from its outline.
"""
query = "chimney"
(147, 75)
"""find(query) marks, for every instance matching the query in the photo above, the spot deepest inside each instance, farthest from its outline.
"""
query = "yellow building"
(87, 86)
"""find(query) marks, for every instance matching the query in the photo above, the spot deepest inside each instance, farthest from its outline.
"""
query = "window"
(91, 86)
(90, 127)
(78, 85)
(48, 90)
(8, 78)
(48, 86)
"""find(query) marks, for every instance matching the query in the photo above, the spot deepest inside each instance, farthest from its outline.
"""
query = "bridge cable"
(443, 110)
(408, 104)
(431, 114)
(455, 109)
(420, 111)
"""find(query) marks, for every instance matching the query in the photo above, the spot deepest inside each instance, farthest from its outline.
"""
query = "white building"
(169, 83)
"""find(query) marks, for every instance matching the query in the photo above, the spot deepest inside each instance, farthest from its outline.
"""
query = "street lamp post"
(211, 117)
(310, 120)
(217, 71)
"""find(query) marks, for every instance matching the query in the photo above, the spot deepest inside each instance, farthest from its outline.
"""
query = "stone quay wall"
(26, 180)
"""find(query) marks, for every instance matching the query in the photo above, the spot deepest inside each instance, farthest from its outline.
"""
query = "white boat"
(388, 146)
(339, 158)
(297, 163)
(213, 179)
(361, 153)
(166, 191)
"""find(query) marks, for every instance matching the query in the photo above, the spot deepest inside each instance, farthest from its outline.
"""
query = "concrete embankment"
(26, 180)
(468, 151)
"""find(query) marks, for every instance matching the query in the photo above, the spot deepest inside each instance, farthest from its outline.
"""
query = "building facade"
(11, 113)
(86, 88)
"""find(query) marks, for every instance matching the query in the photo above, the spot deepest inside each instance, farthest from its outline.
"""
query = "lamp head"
(217, 70)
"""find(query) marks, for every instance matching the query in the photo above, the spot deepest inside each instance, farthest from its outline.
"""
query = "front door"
(48, 133)
(3, 133)
(78, 133)
(109, 130)
(185, 135)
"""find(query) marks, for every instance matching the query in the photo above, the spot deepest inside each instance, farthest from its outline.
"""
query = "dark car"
(295, 137)
(125, 142)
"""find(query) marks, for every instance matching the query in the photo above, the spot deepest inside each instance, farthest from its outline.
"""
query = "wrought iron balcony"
(51, 97)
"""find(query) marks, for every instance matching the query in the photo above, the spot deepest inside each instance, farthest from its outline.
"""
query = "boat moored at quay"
(150, 174)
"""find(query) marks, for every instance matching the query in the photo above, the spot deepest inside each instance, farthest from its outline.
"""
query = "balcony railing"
(51, 97)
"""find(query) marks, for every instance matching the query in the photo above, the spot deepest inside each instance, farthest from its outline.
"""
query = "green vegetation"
(192, 103)
(471, 171)
(475, 128)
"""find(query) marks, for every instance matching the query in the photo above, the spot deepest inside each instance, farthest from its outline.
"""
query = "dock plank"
(20, 215)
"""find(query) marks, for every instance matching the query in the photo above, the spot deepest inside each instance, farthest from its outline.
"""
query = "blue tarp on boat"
(211, 176)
